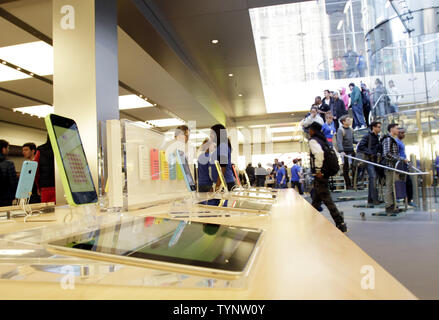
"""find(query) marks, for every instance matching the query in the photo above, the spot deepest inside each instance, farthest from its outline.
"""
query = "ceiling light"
(230, 74)
(215, 41)
(166, 122)
(239, 95)
(283, 129)
(38, 111)
(18, 68)
(257, 126)
(155, 104)
(31, 74)
(4, 62)
(9, 74)
(387, 4)
(33, 56)
(132, 101)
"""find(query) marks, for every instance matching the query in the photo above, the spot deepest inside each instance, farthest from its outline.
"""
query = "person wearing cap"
(321, 192)
(357, 107)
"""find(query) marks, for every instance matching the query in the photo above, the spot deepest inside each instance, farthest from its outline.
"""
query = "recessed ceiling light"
(230, 74)
(155, 104)
(31, 74)
(9, 74)
(38, 111)
(132, 101)
(4, 62)
(215, 41)
(140, 96)
(33, 56)
(239, 95)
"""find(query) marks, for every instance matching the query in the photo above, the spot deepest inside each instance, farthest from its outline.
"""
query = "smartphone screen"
(186, 170)
(74, 160)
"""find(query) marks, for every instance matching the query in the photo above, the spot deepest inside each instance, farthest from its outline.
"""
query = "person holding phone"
(222, 153)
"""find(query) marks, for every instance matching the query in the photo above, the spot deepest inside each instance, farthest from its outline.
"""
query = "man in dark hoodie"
(8, 176)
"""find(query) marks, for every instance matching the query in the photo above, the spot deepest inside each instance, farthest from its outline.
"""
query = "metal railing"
(372, 111)
(418, 173)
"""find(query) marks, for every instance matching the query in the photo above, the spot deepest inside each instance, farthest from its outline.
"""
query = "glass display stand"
(26, 258)
(189, 208)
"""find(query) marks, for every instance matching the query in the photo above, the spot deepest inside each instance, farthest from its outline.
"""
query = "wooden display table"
(303, 257)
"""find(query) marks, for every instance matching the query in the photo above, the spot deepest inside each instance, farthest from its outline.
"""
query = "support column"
(85, 70)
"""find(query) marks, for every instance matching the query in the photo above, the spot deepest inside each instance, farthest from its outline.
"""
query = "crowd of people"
(360, 102)
(278, 176)
(44, 185)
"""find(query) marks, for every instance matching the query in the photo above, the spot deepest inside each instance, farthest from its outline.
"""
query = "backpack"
(330, 163)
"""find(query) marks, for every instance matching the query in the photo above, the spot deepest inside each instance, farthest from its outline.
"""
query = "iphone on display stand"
(70, 157)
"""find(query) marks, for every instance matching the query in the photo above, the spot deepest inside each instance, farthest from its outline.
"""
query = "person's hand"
(342, 154)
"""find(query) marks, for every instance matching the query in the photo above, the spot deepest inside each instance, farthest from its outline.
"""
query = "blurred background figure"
(8, 176)
(261, 173)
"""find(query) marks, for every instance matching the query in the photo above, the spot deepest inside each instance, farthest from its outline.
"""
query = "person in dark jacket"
(345, 146)
(251, 174)
(368, 146)
(321, 193)
(8, 176)
(365, 96)
(46, 172)
(328, 102)
(357, 107)
(205, 182)
(339, 110)
(322, 108)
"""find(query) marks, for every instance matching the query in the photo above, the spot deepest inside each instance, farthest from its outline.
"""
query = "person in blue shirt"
(328, 128)
(204, 180)
(295, 176)
(281, 182)
(222, 153)
(402, 154)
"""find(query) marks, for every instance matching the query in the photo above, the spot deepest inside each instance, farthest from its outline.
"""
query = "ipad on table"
(183, 246)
